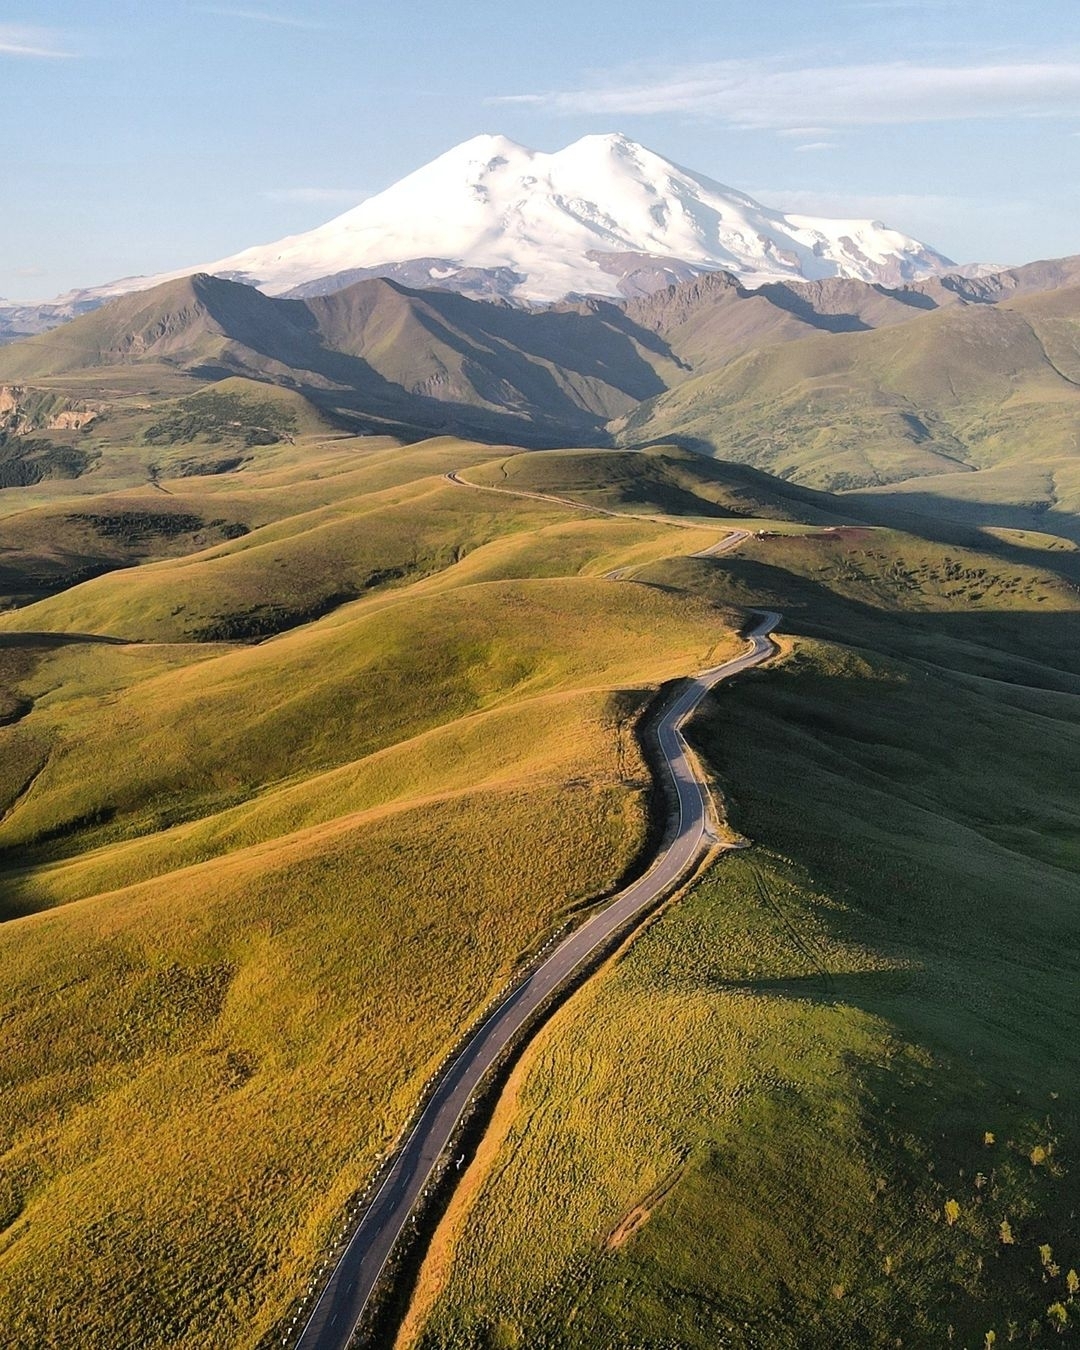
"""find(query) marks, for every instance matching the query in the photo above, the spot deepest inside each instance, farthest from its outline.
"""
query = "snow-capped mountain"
(604, 216)
(563, 223)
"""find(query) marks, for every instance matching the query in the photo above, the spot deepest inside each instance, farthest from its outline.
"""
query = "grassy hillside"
(828, 1099)
(665, 477)
(227, 869)
(972, 404)
(753, 1130)
(254, 790)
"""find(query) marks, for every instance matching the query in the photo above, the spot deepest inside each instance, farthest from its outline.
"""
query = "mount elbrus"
(491, 218)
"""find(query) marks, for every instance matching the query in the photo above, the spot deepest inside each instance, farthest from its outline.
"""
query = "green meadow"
(828, 1098)
(231, 861)
(304, 749)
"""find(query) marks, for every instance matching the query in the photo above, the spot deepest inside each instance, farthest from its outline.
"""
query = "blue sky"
(141, 135)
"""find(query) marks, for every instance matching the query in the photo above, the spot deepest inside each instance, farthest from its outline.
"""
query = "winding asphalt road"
(338, 1309)
(339, 1306)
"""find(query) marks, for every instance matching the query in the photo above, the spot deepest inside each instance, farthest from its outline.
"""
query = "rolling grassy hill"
(228, 868)
(289, 721)
(828, 1098)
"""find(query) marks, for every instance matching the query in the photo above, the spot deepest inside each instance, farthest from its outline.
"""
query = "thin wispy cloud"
(901, 4)
(812, 146)
(260, 16)
(760, 95)
(39, 43)
(314, 194)
(933, 216)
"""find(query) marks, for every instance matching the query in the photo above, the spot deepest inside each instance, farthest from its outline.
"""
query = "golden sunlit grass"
(259, 888)
(264, 887)
(802, 1106)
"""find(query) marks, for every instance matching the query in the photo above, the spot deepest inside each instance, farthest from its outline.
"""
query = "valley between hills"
(308, 750)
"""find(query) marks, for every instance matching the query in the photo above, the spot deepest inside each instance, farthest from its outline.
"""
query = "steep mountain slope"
(1048, 274)
(379, 351)
(957, 390)
(709, 321)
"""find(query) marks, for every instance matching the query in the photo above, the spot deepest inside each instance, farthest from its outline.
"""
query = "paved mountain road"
(338, 1308)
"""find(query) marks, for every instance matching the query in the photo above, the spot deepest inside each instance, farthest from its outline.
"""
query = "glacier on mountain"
(604, 216)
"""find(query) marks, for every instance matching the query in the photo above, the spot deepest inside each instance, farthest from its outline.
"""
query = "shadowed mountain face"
(421, 359)
(835, 384)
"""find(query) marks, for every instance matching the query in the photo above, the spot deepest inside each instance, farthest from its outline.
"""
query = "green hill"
(828, 1098)
(310, 736)
(943, 404)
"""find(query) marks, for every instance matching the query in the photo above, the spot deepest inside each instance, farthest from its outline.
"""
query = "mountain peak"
(602, 216)
(486, 143)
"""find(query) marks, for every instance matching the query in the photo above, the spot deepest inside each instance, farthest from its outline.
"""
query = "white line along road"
(401, 1185)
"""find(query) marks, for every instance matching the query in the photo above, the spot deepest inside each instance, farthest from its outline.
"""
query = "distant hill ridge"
(836, 384)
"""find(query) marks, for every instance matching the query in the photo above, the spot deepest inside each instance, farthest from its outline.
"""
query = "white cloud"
(816, 145)
(762, 95)
(260, 16)
(314, 194)
(16, 40)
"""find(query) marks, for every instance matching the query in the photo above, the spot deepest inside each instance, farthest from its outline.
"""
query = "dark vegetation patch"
(223, 417)
(197, 468)
(43, 585)
(26, 462)
(13, 708)
(22, 758)
(172, 1006)
(13, 854)
(263, 621)
(16, 663)
(136, 527)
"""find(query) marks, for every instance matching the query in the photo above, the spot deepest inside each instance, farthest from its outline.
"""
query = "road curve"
(338, 1308)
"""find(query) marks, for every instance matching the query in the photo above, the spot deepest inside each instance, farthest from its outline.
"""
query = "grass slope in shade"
(830, 1099)
(662, 477)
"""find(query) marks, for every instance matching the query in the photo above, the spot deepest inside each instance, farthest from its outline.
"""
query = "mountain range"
(964, 386)
(490, 218)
